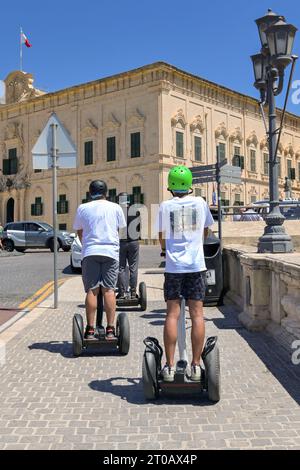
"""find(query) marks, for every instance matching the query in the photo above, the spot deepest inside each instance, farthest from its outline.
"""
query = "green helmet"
(180, 179)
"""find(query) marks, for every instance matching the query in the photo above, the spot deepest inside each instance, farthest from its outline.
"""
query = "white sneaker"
(195, 372)
(168, 373)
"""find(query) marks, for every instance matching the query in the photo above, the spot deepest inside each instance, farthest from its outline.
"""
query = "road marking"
(39, 295)
(36, 294)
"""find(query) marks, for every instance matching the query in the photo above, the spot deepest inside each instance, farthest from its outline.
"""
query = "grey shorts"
(99, 271)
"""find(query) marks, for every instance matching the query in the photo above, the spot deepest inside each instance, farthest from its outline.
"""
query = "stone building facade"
(129, 130)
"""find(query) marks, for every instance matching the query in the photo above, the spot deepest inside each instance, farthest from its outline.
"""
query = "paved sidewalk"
(50, 400)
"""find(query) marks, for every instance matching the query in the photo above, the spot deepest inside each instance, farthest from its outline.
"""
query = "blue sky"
(77, 41)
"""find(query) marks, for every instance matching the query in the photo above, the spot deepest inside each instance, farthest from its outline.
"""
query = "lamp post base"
(275, 239)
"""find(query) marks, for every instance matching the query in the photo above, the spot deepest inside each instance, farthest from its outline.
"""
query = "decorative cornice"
(112, 122)
(289, 150)
(136, 177)
(178, 118)
(19, 181)
(90, 130)
(252, 139)
(155, 72)
(112, 180)
(136, 119)
(252, 190)
(19, 87)
(221, 131)
(14, 130)
(197, 123)
(236, 135)
(264, 143)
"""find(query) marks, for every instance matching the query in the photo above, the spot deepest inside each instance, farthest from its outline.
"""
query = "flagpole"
(21, 55)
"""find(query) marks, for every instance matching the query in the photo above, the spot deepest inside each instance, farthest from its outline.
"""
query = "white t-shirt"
(182, 220)
(100, 221)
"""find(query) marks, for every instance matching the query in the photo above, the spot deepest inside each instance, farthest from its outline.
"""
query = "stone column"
(256, 292)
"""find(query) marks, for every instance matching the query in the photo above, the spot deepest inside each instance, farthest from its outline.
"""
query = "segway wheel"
(143, 296)
(123, 333)
(77, 334)
(213, 374)
(149, 376)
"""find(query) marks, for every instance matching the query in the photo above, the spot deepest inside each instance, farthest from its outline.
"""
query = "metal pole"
(54, 199)
(274, 239)
(273, 170)
(21, 52)
(219, 195)
(182, 333)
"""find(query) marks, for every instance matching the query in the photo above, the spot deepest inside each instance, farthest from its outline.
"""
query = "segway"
(121, 342)
(140, 299)
(209, 382)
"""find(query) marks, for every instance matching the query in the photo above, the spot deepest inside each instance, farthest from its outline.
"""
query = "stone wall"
(264, 287)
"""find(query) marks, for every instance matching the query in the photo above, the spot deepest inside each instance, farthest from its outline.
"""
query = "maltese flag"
(24, 40)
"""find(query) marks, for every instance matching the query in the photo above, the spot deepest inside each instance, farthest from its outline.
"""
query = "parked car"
(75, 258)
(22, 235)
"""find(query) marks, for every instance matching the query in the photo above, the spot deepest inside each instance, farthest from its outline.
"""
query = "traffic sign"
(54, 148)
(199, 169)
(204, 179)
(231, 170)
(42, 150)
(230, 174)
(230, 179)
(223, 162)
(204, 173)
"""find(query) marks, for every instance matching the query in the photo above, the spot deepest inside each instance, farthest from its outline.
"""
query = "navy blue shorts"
(188, 285)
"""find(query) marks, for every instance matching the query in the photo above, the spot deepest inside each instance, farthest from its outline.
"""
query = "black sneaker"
(89, 332)
(110, 332)
(121, 296)
(133, 293)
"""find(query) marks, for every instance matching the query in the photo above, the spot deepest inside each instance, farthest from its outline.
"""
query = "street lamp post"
(277, 38)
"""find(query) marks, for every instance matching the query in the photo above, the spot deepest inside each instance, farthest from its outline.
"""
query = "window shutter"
(6, 167)
(293, 173)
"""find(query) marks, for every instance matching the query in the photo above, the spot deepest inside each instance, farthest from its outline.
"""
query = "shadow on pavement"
(65, 349)
(131, 390)
(276, 358)
(160, 314)
(128, 309)
(68, 270)
(57, 347)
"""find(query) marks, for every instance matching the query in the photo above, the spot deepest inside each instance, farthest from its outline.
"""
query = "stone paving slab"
(50, 400)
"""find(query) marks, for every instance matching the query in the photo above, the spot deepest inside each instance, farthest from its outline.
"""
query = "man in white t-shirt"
(183, 220)
(98, 223)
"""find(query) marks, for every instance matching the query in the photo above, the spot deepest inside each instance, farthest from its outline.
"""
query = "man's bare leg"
(91, 306)
(198, 329)
(170, 329)
(109, 297)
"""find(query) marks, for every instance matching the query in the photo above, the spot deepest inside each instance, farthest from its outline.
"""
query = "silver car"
(22, 235)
